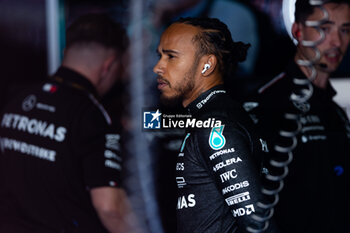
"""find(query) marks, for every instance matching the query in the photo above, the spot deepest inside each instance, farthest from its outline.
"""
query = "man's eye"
(170, 56)
(345, 31)
(325, 29)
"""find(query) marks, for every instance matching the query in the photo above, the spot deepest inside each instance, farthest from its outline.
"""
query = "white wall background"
(342, 86)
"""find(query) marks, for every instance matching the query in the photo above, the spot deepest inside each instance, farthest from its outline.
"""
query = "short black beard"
(176, 101)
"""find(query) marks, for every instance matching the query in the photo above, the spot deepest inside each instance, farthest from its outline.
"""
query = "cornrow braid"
(215, 38)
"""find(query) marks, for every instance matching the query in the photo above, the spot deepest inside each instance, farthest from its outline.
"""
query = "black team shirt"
(316, 189)
(218, 169)
(57, 143)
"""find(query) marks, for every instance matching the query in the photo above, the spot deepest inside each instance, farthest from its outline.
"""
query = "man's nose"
(335, 38)
(159, 67)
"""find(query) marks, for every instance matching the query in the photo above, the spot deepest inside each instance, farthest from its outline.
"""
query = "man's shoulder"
(280, 86)
(48, 90)
(52, 100)
(272, 96)
(224, 123)
(277, 87)
(224, 108)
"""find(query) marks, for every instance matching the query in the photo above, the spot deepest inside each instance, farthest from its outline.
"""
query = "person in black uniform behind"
(217, 174)
(316, 191)
(60, 160)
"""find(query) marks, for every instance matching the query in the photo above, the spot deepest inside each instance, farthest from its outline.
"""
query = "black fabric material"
(55, 148)
(210, 173)
(316, 191)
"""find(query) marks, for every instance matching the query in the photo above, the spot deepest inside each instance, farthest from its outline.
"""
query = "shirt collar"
(293, 70)
(206, 97)
(74, 79)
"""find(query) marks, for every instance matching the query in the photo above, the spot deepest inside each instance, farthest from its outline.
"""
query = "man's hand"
(114, 210)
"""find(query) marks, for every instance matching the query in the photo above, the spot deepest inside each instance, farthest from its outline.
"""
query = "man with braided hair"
(216, 171)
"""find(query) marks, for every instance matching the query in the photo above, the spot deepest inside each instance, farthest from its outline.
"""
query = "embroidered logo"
(216, 138)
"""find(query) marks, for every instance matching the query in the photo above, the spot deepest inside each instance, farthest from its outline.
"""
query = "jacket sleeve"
(228, 153)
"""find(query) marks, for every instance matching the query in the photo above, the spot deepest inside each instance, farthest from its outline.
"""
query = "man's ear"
(208, 65)
(107, 65)
(297, 32)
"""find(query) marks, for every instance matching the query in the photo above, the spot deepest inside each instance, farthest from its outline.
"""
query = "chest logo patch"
(304, 107)
(29, 103)
(264, 145)
(216, 138)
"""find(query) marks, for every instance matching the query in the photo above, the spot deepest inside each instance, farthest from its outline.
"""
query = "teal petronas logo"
(184, 141)
(216, 138)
